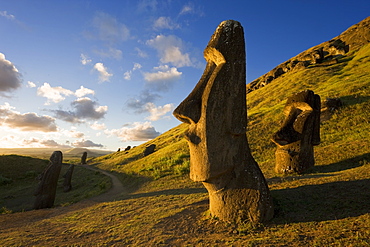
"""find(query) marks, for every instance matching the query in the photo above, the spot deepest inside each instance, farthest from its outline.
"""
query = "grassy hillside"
(327, 206)
(18, 181)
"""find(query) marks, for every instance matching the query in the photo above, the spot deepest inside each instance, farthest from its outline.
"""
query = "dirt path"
(116, 190)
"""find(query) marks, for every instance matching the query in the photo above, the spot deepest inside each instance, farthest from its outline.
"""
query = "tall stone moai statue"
(217, 116)
(298, 134)
(83, 158)
(46, 190)
(67, 184)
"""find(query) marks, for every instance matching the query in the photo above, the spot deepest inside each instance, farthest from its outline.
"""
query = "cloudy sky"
(108, 74)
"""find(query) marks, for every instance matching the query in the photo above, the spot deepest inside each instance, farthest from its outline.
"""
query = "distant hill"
(46, 152)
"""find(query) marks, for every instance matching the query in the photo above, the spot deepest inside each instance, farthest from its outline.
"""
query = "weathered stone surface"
(67, 185)
(216, 113)
(83, 158)
(46, 189)
(298, 133)
(149, 149)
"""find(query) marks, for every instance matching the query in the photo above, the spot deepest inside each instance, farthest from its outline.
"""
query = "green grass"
(21, 173)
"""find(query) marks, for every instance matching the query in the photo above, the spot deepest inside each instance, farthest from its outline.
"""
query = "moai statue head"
(216, 113)
(298, 134)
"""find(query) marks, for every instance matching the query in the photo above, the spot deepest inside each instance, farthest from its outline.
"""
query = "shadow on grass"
(342, 165)
(169, 192)
(330, 201)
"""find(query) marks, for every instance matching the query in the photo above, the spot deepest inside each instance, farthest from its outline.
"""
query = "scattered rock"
(149, 149)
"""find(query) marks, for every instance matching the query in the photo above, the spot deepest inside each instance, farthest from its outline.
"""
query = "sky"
(108, 74)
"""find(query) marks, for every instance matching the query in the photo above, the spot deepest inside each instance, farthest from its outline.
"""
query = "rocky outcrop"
(324, 54)
(215, 110)
(149, 149)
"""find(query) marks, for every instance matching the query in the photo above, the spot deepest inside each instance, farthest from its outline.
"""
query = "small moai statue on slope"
(46, 189)
(216, 112)
(67, 184)
(298, 134)
(83, 158)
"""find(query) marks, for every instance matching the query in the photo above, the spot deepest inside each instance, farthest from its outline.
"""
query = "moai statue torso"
(46, 189)
(298, 134)
(83, 158)
(216, 113)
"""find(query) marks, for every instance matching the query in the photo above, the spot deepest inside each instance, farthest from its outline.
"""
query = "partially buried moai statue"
(217, 116)
(298, 134)
(46, 189)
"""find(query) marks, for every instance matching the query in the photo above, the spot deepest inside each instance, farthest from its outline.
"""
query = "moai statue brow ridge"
(217, 116)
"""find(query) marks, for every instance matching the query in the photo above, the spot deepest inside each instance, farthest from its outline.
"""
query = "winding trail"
(113, 193)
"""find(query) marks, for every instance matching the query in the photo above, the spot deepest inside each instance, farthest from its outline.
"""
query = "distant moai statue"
(119, 150)
(216, 112)
(83, 158)
(46, 189)
(149, 149)
(67, 185)
(127, 148)
(298, 134)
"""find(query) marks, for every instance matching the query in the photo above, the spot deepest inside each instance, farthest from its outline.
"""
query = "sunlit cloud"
(163, 79)
(135, 132)
(157, 112)
(97, 126)
(25, 122)
(86, 144)
(31, 84)
(53, 94)
(83, 91)
(10, 78)
(165, 23)
(37, 143)
(104, 75)
(169, 49)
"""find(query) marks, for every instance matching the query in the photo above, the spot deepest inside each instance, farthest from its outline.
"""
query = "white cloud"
(10, 78)
(53, 94)
(127, 74)
(157, 112)
(165, 23)
(85, 60)
(104, 75)
(31, 84)
(83, 91)
(86, 143)
(169, 49)
(163, 78)
(137, 132)
(97, 126)
(25, 122)
(6, 15)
